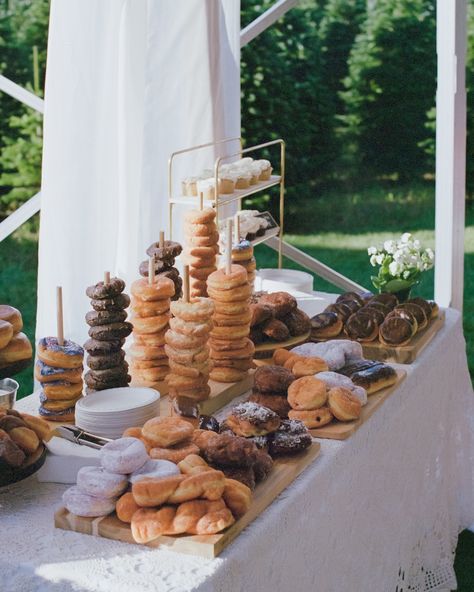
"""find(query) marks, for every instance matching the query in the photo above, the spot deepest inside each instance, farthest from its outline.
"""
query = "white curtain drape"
(128, 82)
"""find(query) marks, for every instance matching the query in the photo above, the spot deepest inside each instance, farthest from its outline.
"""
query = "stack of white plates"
(110, 412)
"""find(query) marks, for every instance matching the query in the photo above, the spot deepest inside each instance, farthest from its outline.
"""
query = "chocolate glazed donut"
(416, 311)
(105, 317)
(376, 313)
(362, 327)
(111, 331)
(117, 303)
(341, 309)
(325, 324)
(170, 250)
(407, 315)
(396, 331)
(351, 296)
(386, 298)
(110, 290)
(425, 305)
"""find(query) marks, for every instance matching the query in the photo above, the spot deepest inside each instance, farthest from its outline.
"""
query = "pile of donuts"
(231, 349)
(150, 319)
(200, 248)
(158, 497)
(242, 254)
(240, 174)
(164, 256)
(59, 371)
(276, 317)
(175, 439)
(366, 318)
(108, 329)
(188, 354)
(20, 437)
(15, 348)
(302, 384)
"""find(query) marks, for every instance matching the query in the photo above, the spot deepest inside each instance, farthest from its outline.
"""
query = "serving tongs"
(79, 436)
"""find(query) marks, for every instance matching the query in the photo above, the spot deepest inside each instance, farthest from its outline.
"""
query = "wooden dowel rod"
(162, 239)
(228, 253)
(237, 228)
(186, 283)
(151, 270)
(59, 314)
(201, 200)
(106, 278)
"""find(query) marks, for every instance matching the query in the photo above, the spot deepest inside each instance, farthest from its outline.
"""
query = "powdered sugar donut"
(82, 504)
(156, 469)
(333, 357)
(333, 379)
(99, 483)
(123, 456)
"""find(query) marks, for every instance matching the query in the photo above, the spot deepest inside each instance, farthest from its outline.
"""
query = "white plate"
(117, 400)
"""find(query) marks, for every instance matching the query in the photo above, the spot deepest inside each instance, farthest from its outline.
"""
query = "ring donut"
(190, 328)
(220, 280)
(187, 356)
(62, 389)
(161, 289)
(141, 308)
(201, 230)
(153, 339)
(147, 352)
(110, 332)
(169, 250)
(103, 362)
(180, 341)
(115, 287)
(103, 348)
(69, 355)
(201, 309)
(204, 216)
(203, 241)
(119, 302)
(65, 415)
(153, 324)
(243, 251)
(237, 294)
(104, 317)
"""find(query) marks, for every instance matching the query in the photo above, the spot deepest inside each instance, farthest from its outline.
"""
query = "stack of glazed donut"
(242, 254)
(188, 354)
(164, 259)
(108, 331)
(59, 370)
(15, 348)
(231, 349)
(150, 320)
(200, 248)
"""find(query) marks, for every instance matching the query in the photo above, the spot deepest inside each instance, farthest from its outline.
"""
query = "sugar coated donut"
(100, 483)
(150, 324)
(200, 310)
(69, 355)
(82, 504)
(237, 294)
(123, 456)
(161, 288)
(154, 469)
(220, 280)
(12, 316)
(204, 216)
(6, 333)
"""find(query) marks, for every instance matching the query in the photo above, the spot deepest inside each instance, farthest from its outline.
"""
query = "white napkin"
(64, 459)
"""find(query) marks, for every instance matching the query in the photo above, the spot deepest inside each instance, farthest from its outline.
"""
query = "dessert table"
(379, 511)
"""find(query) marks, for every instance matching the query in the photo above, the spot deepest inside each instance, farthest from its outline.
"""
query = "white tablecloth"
(379, 512)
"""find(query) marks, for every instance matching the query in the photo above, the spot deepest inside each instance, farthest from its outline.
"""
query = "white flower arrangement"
(401, 263)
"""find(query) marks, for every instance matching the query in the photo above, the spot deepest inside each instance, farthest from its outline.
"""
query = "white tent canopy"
(127, 83)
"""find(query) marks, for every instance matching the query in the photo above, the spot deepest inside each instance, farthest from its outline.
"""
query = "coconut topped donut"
(169, 250)
(68, 355)
(251, 419)
(101, 290)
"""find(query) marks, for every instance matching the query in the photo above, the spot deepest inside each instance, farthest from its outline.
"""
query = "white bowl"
(286, 280)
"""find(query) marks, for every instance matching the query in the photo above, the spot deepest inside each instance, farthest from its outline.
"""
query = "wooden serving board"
(338, 430)
(285, 470)
(265, 350)
(221, 395)
(405, 354)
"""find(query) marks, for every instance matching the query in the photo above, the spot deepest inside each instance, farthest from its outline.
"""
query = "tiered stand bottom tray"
(285, 470)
